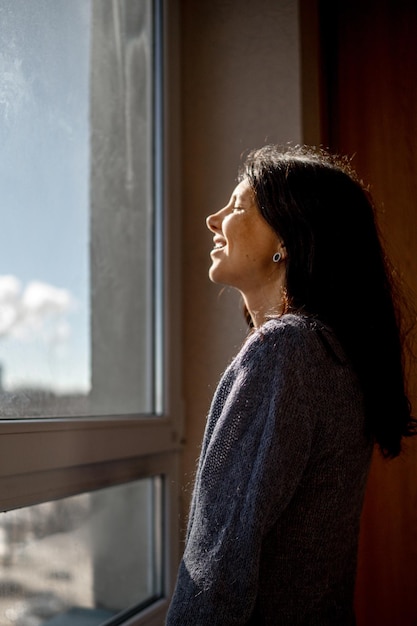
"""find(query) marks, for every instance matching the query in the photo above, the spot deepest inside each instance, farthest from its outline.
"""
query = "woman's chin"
(215, 275)
(212, 275)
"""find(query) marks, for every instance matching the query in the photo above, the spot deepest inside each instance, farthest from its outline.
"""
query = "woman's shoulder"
(288, 328)
(291, 324)
(293, 336)
(278, 333)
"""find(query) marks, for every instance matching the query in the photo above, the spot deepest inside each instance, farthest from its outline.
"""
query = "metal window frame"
(47, 459)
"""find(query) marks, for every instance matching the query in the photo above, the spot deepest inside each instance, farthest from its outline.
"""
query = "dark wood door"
(369, 62)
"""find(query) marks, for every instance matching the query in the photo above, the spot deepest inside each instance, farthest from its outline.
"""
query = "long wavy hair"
(337, 271)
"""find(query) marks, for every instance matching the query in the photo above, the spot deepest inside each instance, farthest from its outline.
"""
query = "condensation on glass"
(83, 559)
(77, 297)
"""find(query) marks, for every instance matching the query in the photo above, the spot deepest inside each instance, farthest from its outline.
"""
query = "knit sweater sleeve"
(256, 447)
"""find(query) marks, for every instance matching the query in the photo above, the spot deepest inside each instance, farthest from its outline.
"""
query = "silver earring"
(277, 257)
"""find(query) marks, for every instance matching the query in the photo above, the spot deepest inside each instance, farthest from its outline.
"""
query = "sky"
(44, 195)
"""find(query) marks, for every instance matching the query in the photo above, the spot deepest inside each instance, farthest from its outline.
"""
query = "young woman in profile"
(274, 520)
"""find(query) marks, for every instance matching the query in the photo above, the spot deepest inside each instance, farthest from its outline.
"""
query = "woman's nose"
(213, 222)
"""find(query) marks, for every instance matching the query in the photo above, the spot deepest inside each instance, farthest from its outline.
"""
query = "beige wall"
(240, 89)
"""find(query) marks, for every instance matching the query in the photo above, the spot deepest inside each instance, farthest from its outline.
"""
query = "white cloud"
(10, 288)
(38, 309)
(41, 299)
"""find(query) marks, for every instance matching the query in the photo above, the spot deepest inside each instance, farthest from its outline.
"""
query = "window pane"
(81, 560)
(76, 243)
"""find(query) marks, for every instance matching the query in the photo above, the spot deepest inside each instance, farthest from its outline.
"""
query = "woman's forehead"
(243, 191)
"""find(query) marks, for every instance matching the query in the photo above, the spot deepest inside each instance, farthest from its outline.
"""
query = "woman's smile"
(218, 243)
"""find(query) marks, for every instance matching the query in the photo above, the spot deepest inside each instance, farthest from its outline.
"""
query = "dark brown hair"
(336, 270)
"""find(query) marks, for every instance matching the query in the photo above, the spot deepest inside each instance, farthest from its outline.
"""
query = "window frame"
(52, 458)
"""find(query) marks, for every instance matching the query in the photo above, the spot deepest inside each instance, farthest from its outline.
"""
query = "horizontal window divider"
(52, 445)
(43, 486)
(73, 423)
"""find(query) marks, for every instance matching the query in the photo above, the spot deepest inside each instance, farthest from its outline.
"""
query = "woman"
(274, 521)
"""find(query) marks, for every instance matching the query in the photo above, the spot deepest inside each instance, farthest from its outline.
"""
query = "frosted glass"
(78, 217)
(81, 559)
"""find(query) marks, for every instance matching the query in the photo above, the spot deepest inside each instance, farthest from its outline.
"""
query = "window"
(76, 248)
(86, 558)
(88, 430)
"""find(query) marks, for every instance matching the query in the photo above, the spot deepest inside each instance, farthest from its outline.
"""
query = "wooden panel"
(370, 61)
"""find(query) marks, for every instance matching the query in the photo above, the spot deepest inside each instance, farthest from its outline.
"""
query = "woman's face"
(244, 243)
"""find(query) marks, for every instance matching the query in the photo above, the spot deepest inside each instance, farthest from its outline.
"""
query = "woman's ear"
(282, 250)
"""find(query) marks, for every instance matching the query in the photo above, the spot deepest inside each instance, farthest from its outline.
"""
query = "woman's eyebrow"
(242, 202)
(239, 198)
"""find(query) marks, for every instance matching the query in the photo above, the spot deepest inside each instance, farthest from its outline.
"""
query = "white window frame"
(47, 459)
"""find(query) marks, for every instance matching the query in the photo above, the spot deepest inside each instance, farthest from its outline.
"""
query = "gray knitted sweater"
(274, 520)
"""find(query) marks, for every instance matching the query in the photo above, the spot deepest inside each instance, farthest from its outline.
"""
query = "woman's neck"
(265, 303)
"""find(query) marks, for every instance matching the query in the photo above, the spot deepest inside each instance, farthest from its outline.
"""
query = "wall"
(120, 197)
(241, 89)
